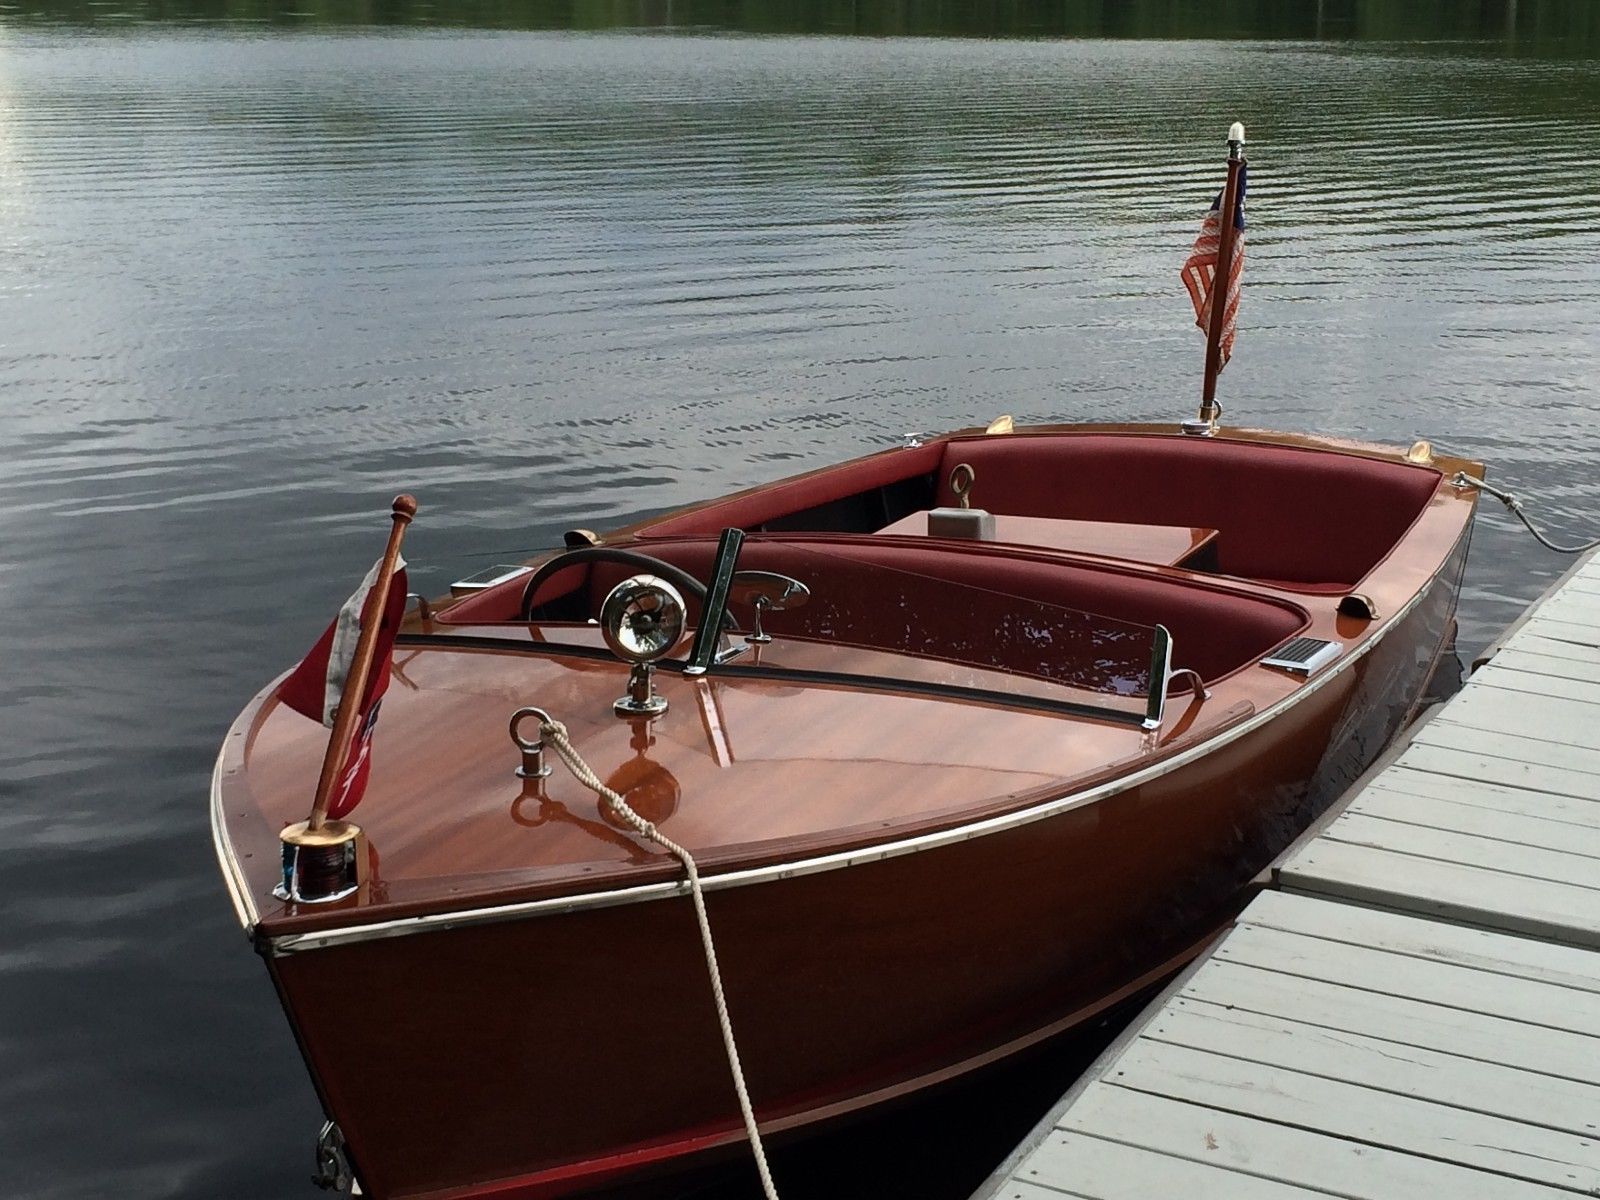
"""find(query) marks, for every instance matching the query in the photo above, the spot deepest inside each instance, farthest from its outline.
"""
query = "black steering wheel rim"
(589, 554)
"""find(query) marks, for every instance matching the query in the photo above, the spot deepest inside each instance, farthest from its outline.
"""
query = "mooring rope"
(1514, 505)
(556, 733)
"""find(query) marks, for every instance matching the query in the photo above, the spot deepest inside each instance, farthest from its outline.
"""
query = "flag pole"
(322, 859)
(1209, 410)
(355, 683)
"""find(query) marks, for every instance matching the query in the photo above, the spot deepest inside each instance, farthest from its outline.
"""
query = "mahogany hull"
(552, 1054)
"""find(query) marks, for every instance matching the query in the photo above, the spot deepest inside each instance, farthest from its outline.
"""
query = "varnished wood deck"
(1416, 1011)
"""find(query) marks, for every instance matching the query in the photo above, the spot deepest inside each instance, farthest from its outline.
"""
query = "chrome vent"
(1302, 656)
(486, 579)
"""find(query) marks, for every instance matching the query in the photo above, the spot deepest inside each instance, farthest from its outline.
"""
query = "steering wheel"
(588, 554)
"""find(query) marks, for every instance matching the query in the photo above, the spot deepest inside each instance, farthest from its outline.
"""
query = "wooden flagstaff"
(344, 723)
(1219, 285)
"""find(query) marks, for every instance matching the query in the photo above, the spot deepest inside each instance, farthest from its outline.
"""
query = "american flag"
(1200, 269)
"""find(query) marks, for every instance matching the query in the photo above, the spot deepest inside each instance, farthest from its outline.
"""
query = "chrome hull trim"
(243, 908)
(294, 943)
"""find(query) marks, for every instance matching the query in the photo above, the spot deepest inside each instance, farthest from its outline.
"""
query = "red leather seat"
(1298, 518)
(1293, 516)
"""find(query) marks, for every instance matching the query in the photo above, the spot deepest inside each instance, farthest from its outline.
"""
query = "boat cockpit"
(1098, 550)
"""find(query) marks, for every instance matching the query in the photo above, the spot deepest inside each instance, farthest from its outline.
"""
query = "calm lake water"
(262, 266)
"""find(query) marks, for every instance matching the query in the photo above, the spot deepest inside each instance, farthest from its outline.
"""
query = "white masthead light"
(1236, 132)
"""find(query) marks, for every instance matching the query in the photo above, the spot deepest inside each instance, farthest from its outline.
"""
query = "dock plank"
(1512, 679)
(1106, 1169)
(1438, 981)
(1569, 608)
(1519, 826)
(1551, 766)
(1537, 662)
(1402, 1020)
(1403, 779)
(1361, 1114)
(1392, 933)
(1537, 718)
(1579, 634)
(1437, 1076)
(1530, 640)
(1458, 845)
(1273, 1150)
(1517, 904)
(1031, 1191)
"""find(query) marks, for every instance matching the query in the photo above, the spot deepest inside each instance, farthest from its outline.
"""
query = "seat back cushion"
(1283, 513)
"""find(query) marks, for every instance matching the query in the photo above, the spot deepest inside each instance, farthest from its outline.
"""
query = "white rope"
(556, 733)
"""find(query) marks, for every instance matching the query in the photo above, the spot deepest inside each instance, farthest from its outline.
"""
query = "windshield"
(998, 624)
(934, 616)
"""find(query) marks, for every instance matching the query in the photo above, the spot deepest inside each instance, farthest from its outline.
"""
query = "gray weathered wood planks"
(1332, 1049)
(1416, 1012)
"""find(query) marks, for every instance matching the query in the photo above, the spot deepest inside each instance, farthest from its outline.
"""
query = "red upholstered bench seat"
(1293, 516)
(932, 598)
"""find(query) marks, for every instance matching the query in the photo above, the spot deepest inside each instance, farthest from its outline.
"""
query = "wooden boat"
(970, 794)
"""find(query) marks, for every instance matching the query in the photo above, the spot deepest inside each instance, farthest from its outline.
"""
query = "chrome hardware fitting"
(962, 477)
(486, 578)
(912, 440)
(424, 609)
(963, 521)
(533, 764)
(320, 865)
(333, 1173)
(1359, 605)
(1302, 656)
(1003, 424)
(711, 643)
(1196, 685)
(1162, 677)
(1203, 425)
(642, 699)
(642, 619)
(767, 591)
(1160, 669)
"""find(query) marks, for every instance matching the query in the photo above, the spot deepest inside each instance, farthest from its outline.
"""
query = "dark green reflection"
(1548, 26)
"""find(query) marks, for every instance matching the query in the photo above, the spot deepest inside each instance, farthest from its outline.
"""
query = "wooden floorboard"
(1414, 1012)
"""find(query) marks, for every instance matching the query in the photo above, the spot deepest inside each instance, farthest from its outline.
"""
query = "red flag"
(313, 688)
(1200, 270)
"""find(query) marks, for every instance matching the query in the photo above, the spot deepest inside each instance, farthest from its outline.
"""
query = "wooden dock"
(1415, 1010)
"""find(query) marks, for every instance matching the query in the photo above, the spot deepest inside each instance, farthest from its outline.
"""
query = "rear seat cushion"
(1293, 516)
